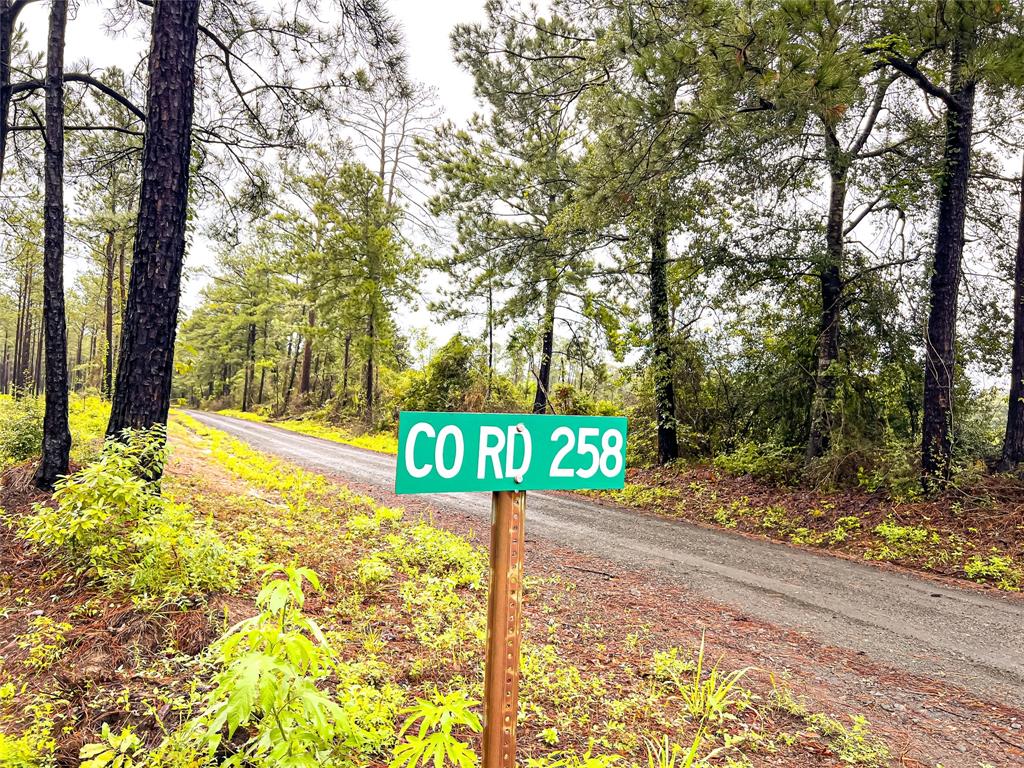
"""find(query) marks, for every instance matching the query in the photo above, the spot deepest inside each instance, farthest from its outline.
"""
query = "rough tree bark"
(307, 355)
(940, 346)
(9, 11)
(56, 433)
(345, 367)
(146, 360)
(547, 351)
(263, 368)
(37, 368)
(1013, 443)
(108, 316)
(368, 389)
(250, 366)
(662, 364)
(831, 284)
(23, 338)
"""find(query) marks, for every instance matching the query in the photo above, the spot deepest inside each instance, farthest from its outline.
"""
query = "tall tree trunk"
(37, 369)
(263, 368)
(371, 333)
(547, 351)
(142, 395)
(662, 363)
(108, 316)
(90, 368)
(1013, 443)
(307, 354)
(78, 357)
(4, 380)
(19, 332)
(831, 286)
(56, 433)
(23, 344)
(291, 375)
(940, 347)
(345, 367)
(250, 362)
(120, 276)
(490, 341)
(9, 10)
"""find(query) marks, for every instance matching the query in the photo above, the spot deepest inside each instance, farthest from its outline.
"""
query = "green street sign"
(453, 452)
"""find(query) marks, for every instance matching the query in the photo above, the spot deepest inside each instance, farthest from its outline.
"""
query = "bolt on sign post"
(507, 454)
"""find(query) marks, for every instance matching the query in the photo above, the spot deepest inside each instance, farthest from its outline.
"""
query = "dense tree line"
(252, 62)
(789, 228)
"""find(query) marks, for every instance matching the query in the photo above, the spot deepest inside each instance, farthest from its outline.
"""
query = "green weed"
(45, 642)
(427, 737)
(997, 569)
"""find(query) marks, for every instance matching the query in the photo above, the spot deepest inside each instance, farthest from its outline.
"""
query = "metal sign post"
(504, 629)
(507, 454)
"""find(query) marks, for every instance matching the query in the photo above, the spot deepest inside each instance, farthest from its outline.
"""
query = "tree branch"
(82, 77)
(910, 70)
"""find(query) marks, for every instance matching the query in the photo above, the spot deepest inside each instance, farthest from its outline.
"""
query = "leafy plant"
(765, 461)
(21, 429)
(428, 736)
(709, 698)
(114, 750)
(670, 666)
(45, 642)
(109, 520)
(855, 745)
(667, 754)
(997, 569)
(573, 760)
(271, 665)
(902, 541)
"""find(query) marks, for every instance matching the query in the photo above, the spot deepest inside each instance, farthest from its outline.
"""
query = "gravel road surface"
(964, 636)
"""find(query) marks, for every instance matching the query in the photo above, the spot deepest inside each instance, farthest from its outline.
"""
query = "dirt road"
(964, 636)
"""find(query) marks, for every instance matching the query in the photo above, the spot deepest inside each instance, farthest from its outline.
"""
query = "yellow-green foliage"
(853, 746)
(998, 569)
(87, 417)
(636, 495)
(713, 696)
(255, 467)
(902, 541)
(110, 522)
(427, 738)
(21, 428)
(382, 442)
(45, 643)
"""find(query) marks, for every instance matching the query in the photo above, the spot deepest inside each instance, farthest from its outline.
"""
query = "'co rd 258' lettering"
(515, 445)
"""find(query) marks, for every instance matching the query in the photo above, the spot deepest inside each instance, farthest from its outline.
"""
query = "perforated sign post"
(507, 454)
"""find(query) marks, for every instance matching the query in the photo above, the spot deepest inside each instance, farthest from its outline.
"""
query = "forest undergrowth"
(252, 613)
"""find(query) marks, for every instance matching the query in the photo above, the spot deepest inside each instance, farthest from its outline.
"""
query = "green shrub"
(373, 571)
(764, 461)
(427, 738)
(110, 521)
(997, 569)
(441, 553)
(902, 541)
(269, 687)
(21, 429)
(45, 642)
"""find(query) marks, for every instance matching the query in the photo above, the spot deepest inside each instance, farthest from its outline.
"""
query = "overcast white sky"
(426, 26)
